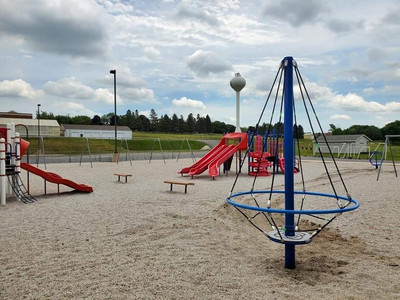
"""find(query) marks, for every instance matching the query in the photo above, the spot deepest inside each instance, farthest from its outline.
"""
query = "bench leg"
(119, 177)
(185, 189)
(126, 179)
(171, 187)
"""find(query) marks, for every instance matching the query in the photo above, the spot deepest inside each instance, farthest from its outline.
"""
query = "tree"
(96, 120)
(208, 124)
(83, 120)
(153, 120)
(63, 119)
(165, 124)
(175, 124)
(279, 127)
(145, 123)
(298, 132)
(182, 124)
(391, 128)
(45, 115)
(200, 124)
(335, 130)
(191, 123)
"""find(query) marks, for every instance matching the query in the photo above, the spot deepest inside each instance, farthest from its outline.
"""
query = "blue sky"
(179, 56)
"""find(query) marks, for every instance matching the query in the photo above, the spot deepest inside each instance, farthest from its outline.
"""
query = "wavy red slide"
(55, 178)
(214, 165)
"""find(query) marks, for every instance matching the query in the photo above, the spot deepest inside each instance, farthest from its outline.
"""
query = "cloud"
(19, 89)
(185, 102)
(342, 26)
(187, 12)
(151, 52)
(75, 28)
(295, 12)
(202, 63)
(69, 88)
(74, 109)
(340, 117)
(349, 101)
(138, 95)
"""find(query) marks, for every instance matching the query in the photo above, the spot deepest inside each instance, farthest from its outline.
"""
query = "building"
(24, 124)
(96, 131)
(345, 145)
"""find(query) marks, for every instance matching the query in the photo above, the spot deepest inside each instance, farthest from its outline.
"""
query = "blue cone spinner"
(302, 221)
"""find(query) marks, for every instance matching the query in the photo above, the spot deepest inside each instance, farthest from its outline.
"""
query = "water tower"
(238, 83)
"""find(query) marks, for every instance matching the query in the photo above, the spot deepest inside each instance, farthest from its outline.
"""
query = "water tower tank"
(238, 82)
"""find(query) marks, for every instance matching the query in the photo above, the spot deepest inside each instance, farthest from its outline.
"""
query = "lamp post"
(38, 120)
(115, 158)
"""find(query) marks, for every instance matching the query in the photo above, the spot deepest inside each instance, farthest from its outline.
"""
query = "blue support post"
(288, 150)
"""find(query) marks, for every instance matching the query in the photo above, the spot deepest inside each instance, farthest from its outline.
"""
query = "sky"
(178, 57)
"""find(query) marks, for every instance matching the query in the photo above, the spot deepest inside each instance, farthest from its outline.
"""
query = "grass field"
(145, 141)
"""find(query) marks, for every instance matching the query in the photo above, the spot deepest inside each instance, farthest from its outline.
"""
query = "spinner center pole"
(288, 150)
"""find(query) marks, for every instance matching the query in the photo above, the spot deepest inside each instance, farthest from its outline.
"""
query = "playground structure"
(230, 144)
(266, 152)
(263, 207)
(12, 148)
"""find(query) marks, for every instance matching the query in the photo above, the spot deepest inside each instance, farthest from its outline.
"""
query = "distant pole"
(115, 113)
(238, 83)
(38, 120)
(288, 152)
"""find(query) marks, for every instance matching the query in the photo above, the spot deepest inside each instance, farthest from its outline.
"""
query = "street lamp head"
(113, 71)
(39, 105)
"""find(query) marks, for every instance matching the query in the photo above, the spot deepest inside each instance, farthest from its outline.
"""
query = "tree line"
(139, 122)
(373, 132)
(199, 124)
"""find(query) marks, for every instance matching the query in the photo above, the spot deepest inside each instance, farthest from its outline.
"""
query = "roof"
(95, 127)
(348, 138)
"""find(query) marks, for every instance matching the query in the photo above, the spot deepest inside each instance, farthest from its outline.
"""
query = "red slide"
(204, 158)
(213, 167)
(218, 155)
(54, 178)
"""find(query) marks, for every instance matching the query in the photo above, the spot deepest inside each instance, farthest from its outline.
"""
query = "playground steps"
(19, 188)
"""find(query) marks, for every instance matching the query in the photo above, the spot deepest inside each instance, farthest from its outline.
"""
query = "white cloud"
(74, 109)
(74, 27)
(202, 63)
(19, 89)
(340, 117)
(185, 102)
(151, 52)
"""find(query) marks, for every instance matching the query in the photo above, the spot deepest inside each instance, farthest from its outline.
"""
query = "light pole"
(38, 120)
(115, 115)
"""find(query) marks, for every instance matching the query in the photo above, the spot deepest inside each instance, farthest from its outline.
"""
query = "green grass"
(77, 146)
(176, 136)
(146, 142)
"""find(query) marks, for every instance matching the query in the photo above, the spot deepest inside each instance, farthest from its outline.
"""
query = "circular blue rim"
(293, 212)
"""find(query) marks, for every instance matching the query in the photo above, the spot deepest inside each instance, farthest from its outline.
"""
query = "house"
(346, 145)
(96, 131)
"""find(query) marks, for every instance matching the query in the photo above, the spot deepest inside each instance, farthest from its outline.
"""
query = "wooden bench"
(123, 175)
(179, 183)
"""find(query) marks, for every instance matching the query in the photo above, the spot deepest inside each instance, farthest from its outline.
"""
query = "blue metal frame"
(293, 211)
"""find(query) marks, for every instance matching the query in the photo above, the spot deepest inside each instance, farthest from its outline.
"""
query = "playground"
(139, 240)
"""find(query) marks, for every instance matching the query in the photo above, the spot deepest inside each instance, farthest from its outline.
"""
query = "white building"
(96, 131)
(48, 128)
(346, 145)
